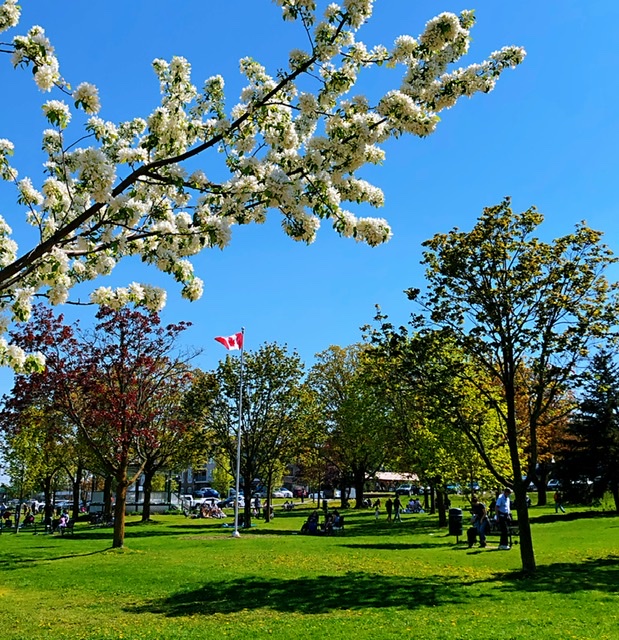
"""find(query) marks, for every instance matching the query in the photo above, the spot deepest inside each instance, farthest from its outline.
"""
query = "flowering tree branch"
(286, 148)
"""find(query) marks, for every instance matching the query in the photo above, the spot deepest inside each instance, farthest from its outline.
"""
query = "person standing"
(389, 508)
(397, 507)
(480, 520)
(504, 513)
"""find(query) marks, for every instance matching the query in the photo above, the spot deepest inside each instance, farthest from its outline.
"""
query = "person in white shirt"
(504, 514)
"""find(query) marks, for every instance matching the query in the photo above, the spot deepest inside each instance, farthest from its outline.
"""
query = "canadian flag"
(233, 342)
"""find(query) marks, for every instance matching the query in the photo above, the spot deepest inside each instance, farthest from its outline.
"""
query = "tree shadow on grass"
(360, 590)
(570, 516)
(32, 562)
(396, 546)
(316, 595)
(599, 574)
(108, 534)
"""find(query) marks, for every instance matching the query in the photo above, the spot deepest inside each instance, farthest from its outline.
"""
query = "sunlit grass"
(183, 578)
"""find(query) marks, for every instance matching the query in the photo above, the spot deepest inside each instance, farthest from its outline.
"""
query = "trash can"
(455, 522)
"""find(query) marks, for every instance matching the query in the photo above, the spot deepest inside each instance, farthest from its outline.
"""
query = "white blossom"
(47, 75)
(96, 172)
(28, 194)
(58, 294)
(87, 96)
(132, 156)
(9, 15)
(16, 356)
(104, 264)
(440, 30)
(6, 147)
(57, 112)
(193, 289)
(299, 153)
(373, 231)
(405, 48)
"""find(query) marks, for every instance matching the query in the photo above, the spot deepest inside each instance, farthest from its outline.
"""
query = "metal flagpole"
(236, 533)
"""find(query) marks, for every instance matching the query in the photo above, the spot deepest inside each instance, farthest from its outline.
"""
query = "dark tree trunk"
(440, 505)
(541, 481)
(47, 509)
(527, 554)
(107, 497)
(247, 509)
(344, 495)
(359, 482)
(122, 485)
(148, 489)
(267, 508)
(76, 484)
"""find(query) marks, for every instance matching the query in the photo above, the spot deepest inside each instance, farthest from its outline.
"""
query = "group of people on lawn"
(394, 508)
(26, 513)
(210, 511)
(481, 524)
(331, 522)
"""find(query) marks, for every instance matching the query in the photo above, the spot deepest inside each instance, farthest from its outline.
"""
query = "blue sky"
(547, 136)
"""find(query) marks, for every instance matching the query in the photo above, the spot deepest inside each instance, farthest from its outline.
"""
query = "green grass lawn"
(184, 578)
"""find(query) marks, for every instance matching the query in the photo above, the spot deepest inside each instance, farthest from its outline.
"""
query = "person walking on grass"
(397, 508)
(558, 498)
(503, 512)
(389, 508)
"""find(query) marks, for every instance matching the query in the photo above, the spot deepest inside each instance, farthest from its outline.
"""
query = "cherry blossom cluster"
(294, 142)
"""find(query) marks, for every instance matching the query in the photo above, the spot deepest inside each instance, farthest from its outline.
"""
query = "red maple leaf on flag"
(232, 342)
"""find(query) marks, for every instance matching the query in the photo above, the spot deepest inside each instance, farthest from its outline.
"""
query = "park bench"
(513, 531)
(339, 527)
(67, 528)
(97, 520)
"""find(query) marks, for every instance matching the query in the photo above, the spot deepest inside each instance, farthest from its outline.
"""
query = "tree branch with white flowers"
(293, 143)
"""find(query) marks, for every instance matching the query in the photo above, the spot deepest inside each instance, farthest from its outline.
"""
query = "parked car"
(260, 493)
(404, 490)
(207, 492)
(553, 484)
(454, 487)
(473, 486)
(191, 503)
(228, 503)
(282, 492)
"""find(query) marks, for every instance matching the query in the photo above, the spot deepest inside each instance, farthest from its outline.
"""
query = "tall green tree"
(35, 447)
(431, 402)
(508, 299)
(593, 431)
(177, 440)
(357, 421)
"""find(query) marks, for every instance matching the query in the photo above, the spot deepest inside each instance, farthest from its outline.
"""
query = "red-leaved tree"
(109, 384)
